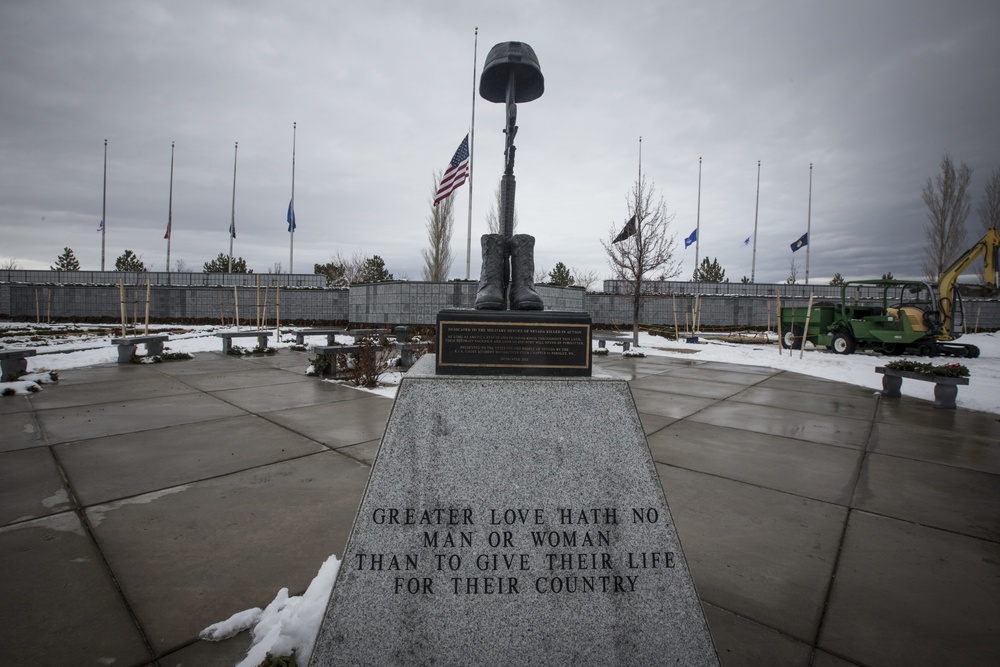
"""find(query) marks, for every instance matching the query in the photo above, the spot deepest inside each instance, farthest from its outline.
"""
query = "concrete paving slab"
(652, 423)
(675, 406)
(60, 604)
(955, 499)
(633, 368)
(729, 368)
(743, 643)
(131, 416)
(820, 472)
(823, 659)
(341, 423)
(671, 384)
(855, 407)
(917, 412)
(303, 392)
(231, 378)
(911, 595)
(203, 362)
(287, 359)
(92, 393)
(166, 457)
(194, 555)
(88, 374)
(209, 654)
(30, 486)
(20, 430)
(364, 452)
(813, 385)
(762, 554)
(733, 375)
(13, 404)
(839, 431)
(958, 449)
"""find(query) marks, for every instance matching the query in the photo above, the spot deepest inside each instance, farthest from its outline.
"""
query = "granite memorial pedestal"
(513, 521)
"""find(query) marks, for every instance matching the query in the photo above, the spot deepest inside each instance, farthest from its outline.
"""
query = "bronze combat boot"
(522, 269)
(490, 295)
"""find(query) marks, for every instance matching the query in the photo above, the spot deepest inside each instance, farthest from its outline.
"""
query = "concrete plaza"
(823, 524)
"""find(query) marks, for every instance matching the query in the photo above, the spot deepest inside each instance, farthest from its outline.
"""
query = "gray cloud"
(871, 93)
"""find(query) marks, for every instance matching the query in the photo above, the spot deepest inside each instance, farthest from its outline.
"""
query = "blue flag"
(100, 227)
(291, 216)
(802, 240)
(691, 239)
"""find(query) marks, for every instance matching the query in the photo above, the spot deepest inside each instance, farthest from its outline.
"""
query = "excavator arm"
(988, 248)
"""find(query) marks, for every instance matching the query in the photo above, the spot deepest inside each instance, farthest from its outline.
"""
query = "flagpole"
(472, 146)
(170, 205)
(291, 204)
(809, 220)
(697, 229)
(756, 210)
(638, 202)
(104, 204)
(232, 224)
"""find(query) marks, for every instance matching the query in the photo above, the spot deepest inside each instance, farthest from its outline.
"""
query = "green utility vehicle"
(907, 320)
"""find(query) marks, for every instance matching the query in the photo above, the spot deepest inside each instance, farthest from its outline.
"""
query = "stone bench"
(408, 351)
(127, 345)
(603, 339)
(945, 388)
(332, 351)
(358, 334)
(13, 363)
(228, 336)
(300, 334)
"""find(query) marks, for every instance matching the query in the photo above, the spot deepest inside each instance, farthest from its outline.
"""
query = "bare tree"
(440, 222)
(989, 211)
(793, 273)
(642, 247)
(585, 278)
(947, 200)
(9, 264)
(493, 223)
(989, 206)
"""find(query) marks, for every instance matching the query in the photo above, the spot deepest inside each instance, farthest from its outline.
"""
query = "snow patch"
(287, 624)
(96, 513)
(60, 497)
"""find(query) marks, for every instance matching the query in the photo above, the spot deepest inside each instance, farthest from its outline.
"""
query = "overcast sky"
(871, 92)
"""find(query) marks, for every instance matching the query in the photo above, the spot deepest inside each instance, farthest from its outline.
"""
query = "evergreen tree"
(334, 273)
(710, 272)
(887, 276)
(221, 265)
(373, 271)
(129, 261)
(561, 276)
(837, 279)
(66, 261)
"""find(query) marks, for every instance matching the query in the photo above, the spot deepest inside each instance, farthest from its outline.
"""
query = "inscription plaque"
(513, 343)
(513, 521)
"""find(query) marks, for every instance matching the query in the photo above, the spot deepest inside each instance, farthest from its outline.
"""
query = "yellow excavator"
(949, 312)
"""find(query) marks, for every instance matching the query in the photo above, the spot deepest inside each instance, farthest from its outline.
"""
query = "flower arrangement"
(941, 370)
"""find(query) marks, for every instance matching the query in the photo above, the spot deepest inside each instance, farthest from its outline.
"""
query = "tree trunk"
(636, 301)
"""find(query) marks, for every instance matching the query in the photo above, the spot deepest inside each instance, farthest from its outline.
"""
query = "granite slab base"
(509, 521)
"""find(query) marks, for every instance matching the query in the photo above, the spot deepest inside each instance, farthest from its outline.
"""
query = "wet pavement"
(823, 524)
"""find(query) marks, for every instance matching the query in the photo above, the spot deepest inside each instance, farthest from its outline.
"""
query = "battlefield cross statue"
(507, 281)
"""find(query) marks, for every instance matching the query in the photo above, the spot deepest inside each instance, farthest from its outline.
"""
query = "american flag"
(456, 173)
